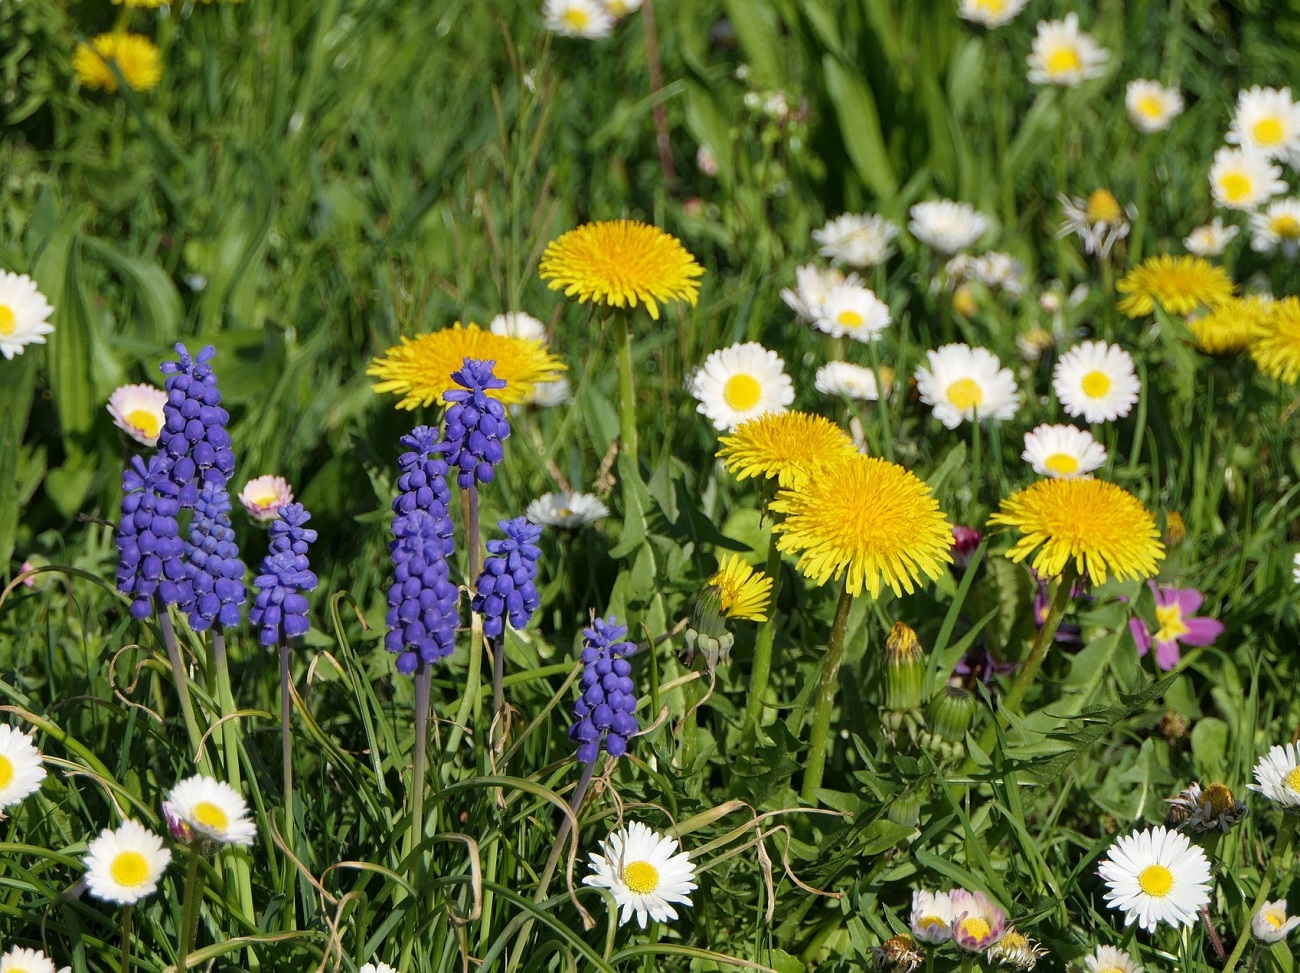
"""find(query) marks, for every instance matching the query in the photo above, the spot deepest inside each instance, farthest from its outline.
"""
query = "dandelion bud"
(707, 632)
(904, 670)
(1175, 530)
(952, 710)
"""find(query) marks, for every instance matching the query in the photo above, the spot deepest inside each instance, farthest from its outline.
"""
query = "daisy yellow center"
(1236, 186)
(1218, 798)
(1014, 940)
(6, 771)
(1156, 881)
(1150, 106)
(641, 877)
(850, 319)
(1273, 919)
(1172, 626)
(1063, 60)
(1062, 464)
(1292, 781)
(974, 927)
(991, 6)
(264, 497)
(129, 869)
(1096, 384)
(144, 420)
(1111, 969)
(576, 17)
(210, 816)
(965, 393)
(1268, 131)
(1286, 226)
(1103, 207)
(932, 922)
(8, 322)
(566, 512)
(742, 392)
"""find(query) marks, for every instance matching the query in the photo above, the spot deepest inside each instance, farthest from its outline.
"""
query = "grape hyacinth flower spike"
(148, 538)
(194, 437)
(604, 715)
(214, 586)
(505, 589)
(280, 608)
(476, 424)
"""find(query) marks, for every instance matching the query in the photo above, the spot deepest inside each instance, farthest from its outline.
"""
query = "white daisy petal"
(379, 968)
(947, 226)
(932, 916)
(517, 324)
(264, 496)
(21, 772)
(1277, 773)
(23, 313)
(812, 285)
(853, 311)
(1270, 923)
(644, 872)
(19, 960)
(964, 383)
(547, 395)
(1062, 451)
(1267, 120)
(138, 411)
(1096, 380)
(570, 510)
(1244, 178)
(857, 239)
(212, 808)
(1151, 106)
(1211, 239)
(1062, 54)
(1156, 876)
(990, 13)
(1276, 227)
(740, 383)
(851, 381)
(125, 865)
(587, 19)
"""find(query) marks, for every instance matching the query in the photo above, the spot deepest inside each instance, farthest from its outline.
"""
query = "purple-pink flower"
(1178, 624)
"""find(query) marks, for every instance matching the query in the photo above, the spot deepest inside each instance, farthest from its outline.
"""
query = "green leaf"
(855, 108)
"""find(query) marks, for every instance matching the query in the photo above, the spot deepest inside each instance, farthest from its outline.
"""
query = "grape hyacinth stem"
(286, 770)
(419, 774)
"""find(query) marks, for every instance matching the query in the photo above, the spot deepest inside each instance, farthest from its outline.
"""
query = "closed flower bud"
(904, 670)
(707, 633)
(1175, 530)
(952, 710)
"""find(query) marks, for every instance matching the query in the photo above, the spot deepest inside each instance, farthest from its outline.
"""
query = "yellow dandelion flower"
(419, 369)
(1179, 284)
(745, 592)
(621, 263)
(137, 57)
(1277, 350)
(785, 445)
(1102, 527)
(1232, 326)
(869, 520)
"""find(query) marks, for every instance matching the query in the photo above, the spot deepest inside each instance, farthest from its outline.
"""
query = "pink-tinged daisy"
(978, 922)
(1179, 624)
(932, 916)
(263, 496)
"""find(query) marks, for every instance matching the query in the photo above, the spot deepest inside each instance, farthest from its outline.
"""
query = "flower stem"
(190, 906)
(126, 940)
(182, 680)
(626, 392)
(819, 737)
(1025, 678)
(286, 769)
(1284, 835)
(419, 774)
(764, 642)
(882, 405)
(976, 471)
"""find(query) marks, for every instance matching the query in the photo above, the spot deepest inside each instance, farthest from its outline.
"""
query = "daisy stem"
(126, 940)
(976, 471)
(286, 761)
(182, 681)
(626, 392)
(192, 902)
(1025, 678)
(1284, 835)
(819, 736)
(764, 642)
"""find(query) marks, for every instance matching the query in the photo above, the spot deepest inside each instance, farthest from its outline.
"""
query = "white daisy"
(578, 18)
(1295, 575)
(1156, 876)
(1270, 924)
(812, 284)
(932, 916)
(547, 395)
(946, 225)
(264, 496)
(990, 13)
(1062, 451)
(212, 808)
(644, 874)
(19, 960)
(1211, 239)
(853, 310)
(380, 968)
(124, 866)
(1277, 774)
(1244, 178)
(23, 310)
(1064, 55)
(851, 381)
(1277, 226)
(999, 270)
(518, 324)
(1096, 380)
(21, 772)
(857, 239)
(740, 383)
(1151, 106)
(967, 383)
(566, 510)
(1108, 959)
(138, 411)
(621, 8)
(1099, 221)
(1267, 120)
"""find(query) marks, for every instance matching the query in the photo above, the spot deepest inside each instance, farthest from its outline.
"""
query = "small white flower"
(1277, 226)
(853, 310)
(1267, 120)
(964, 383)
(23, 310)
(645, 872)
(706, 161)
(946, 225)
(1098, 221)
(19, 960)
(124, 866)
(1277, 774)
(812, 285)
(1270, 924)
(1096, 380)
(1151, 106)
(1062, 451)
(1295, 575)
(566, 510)
(138, 411)
(1062, 54)
(740, 383)
(857, 239)
(546, 395)
(578, 18)
(932, 916)
(621, 8)
(1108, 959)
(1244, 178)
(1156, 876)
(990, 13)
(381, 968)
(212, 808)
(1211, 239)
(851, 381)
(21, 772)
(518, 324)
(1002, 271)
(264, 496)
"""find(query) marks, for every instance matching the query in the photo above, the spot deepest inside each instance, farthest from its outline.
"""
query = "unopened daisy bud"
(707, 633)
(1015, 951)
(932, 916)
(896, 955)
(1175, 530)
(951, 712)
(963, 301)
(1270, 924)
(904, 669)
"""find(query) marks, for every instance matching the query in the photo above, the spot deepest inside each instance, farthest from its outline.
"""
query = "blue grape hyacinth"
(421, 629)
(150, 550)
(280, 608)
(194, 437)
(476, 424)
(505, 587)
(605, 712)
(214, 584)
(422, 482)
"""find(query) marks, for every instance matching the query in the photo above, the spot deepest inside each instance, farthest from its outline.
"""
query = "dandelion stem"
(626, 392)
(764, 642)
(1029, 669)
(286, 761)
(1284, 835)
(819, 736)
(182, 681)
(126, 940)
